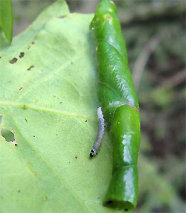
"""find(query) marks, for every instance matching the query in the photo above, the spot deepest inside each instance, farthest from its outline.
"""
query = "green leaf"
(6, 18)
(49, 101)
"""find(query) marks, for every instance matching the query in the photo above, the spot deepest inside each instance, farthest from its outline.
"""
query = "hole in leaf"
(7, 135)
(21, 55)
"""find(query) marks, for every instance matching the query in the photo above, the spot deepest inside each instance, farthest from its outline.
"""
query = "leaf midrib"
(24, 106)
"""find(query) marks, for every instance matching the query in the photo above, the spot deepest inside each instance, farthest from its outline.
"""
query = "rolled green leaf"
(6, 18)
(119, 104)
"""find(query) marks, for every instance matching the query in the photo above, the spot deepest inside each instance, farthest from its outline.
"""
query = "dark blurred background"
(156, 41)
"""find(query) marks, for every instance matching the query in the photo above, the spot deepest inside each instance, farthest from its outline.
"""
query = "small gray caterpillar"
(100, 133)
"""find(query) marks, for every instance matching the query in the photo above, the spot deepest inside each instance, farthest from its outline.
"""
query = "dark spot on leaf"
(32, 66)
(64, 16)
(61, 102)
(45, 198)
(18, 190)
(126, 210)
(34, 136)
(21, 55)
(20, 88)
(13, 60)
(7, 135)
(26, 120)
(33, 42)
(24, 106)
(35, 173)
(71, 62)
(76, 156)
(29, 163)
(0, 57)
(28, 47)
(85, 120)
